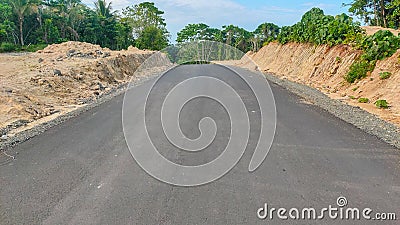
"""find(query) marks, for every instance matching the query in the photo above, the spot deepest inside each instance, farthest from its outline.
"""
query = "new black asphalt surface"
(81, 172)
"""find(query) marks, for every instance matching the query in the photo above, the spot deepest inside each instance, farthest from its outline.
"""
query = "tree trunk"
(376, 14)
(21, 35)
(383, 11)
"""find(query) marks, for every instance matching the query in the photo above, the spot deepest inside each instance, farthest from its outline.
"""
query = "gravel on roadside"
(354, 115)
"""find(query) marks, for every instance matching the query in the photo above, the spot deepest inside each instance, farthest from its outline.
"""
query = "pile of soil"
(58, 79)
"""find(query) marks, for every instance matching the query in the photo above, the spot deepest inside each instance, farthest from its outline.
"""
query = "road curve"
(81, 172)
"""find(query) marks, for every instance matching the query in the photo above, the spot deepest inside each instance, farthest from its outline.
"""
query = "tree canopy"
(385, 13)
(35, 22)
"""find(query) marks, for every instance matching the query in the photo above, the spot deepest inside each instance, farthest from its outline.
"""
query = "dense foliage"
(379, 46)
(230, 34)
(318, 28)
(38, 23)
(384, 13)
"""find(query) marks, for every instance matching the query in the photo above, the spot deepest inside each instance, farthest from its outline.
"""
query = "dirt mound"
(373, 29)
(40, 86)
(72, 45)
(324, 68)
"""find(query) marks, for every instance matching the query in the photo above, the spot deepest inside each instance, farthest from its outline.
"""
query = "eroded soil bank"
(324, 68)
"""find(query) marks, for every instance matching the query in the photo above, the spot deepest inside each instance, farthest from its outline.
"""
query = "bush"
(7, 47)
(359, 70)
(385, 75)
(317, 28)
(363, 100)
(379, 46)
(382, 104)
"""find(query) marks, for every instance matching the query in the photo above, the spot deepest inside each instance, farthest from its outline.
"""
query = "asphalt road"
(81, 172)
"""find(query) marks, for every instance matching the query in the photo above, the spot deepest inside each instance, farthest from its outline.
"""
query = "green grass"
(10, 47)
(385, 75)
(359, 70)
(382, 104)
(363, 100)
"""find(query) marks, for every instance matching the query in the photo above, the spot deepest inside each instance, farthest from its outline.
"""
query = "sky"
(246, 14)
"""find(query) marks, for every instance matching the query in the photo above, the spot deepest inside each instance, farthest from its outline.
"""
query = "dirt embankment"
(370, 30)
(324, 68)
(40, 86)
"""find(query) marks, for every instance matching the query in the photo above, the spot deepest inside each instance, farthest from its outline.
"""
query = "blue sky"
(246, 14)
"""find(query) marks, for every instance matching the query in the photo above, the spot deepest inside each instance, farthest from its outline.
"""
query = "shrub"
(379, 46)
(317, 28)
(7, 47)
(385, 75)
(382, 104)
(363, 100)
(359, 70)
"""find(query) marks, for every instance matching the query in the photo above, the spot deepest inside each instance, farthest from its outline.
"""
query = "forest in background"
(28, 25)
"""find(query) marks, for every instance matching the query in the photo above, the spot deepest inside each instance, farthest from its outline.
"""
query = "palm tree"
(102, 9)
(23, 8)
(71, 12)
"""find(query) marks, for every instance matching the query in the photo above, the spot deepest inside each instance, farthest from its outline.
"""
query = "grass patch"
(359, 70)
(10, 47)
(363, 100)
(385, 75)
(382, 104)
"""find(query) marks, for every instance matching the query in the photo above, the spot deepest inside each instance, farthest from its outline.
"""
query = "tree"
(68, 15)
(147, 25)
(394, 14)
(6, 25)
(383, 13)
(237, 37)
(265, 32)
(200, 31)
(152, 38)
(23, 8)
(144, 15)
(102, 9)
(124, 34)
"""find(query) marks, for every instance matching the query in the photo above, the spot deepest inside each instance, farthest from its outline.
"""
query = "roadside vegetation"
(29, 25)
(317, 28)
